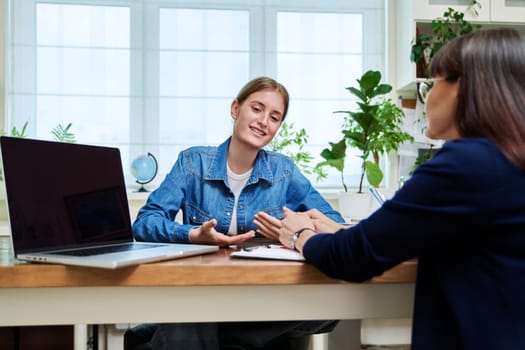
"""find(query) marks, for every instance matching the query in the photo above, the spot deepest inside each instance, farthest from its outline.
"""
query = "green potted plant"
(443, 29)
(291, 142)
(374, 128)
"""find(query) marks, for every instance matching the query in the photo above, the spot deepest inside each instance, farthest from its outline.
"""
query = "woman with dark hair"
(462, 214)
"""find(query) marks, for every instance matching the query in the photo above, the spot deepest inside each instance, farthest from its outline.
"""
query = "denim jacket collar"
(217, 170)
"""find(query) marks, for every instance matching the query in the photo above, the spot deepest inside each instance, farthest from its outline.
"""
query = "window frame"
(144, 17)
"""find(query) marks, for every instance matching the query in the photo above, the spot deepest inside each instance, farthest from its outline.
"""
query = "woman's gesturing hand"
(206, 233)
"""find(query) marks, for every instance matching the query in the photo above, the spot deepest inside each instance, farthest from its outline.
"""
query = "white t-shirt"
(236, 182)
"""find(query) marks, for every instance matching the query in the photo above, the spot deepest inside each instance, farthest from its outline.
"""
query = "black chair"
(138, 338)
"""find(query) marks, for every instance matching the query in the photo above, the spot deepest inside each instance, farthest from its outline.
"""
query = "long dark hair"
(490, 66)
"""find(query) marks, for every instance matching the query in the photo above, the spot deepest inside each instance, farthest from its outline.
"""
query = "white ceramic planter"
(356, 206)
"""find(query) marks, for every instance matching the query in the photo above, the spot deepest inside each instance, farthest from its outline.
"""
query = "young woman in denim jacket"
(220, 190)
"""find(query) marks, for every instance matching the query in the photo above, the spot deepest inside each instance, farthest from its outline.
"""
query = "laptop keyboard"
(108, 249)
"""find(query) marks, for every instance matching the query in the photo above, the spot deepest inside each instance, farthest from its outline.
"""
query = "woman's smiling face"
(258, 118)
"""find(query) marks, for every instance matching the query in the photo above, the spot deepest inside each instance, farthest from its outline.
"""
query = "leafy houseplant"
(291, 142)
(373, 129)
(443, 29)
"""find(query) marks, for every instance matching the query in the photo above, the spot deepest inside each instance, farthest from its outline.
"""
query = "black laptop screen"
(96, 213)
(62, 195)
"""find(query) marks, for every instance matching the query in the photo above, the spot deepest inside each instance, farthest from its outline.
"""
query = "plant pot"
(355, 206)
(421, 69)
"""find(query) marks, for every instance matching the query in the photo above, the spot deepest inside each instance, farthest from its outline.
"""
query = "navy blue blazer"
(463, 215)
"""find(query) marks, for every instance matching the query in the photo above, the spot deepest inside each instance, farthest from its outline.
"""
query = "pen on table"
(269, 246)
(249, 249)
(377, 196)
(276, 246)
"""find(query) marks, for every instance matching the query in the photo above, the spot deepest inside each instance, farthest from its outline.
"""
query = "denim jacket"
(198, 185)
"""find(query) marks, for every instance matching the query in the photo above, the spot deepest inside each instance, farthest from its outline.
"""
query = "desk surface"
(212, 287)
(205, 270)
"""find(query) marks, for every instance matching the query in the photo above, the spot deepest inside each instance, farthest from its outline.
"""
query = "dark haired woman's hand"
(323, 223)
(296, 223)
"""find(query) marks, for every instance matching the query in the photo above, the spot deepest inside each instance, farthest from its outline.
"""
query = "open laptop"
(67, 204)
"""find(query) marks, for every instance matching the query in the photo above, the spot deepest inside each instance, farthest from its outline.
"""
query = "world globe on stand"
(144, 169)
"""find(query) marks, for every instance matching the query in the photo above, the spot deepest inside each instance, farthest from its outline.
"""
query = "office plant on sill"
(373, 129)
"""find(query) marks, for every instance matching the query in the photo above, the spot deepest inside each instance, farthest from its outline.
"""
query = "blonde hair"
(262, 83)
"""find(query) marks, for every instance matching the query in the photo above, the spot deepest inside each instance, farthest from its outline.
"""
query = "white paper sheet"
(273, 252)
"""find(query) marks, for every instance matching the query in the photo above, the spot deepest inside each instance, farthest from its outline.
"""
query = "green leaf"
(336, 150)
(357, 93)
(62, 134)
(369, 80)
(335, 155)
(17, 133)
(374, 175)
(382, 89)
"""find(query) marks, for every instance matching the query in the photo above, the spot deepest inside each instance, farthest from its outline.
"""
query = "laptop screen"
(96, 214)
(61, 195)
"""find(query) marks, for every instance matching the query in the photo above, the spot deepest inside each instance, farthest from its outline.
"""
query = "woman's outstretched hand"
(207, 234)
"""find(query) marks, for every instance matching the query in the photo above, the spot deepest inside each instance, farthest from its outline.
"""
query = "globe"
(144, 169)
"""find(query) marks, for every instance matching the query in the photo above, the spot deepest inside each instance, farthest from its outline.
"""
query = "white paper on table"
(272, 251)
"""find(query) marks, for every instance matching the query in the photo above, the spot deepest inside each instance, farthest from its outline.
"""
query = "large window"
(159, 76)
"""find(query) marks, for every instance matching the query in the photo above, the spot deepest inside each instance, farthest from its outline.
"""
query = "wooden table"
(211, 287)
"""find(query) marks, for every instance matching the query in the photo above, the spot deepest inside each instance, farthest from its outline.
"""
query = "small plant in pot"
(450, 25)
(374, 128)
